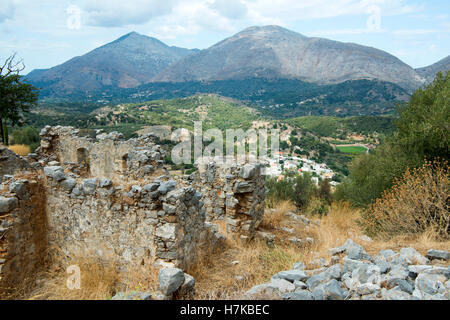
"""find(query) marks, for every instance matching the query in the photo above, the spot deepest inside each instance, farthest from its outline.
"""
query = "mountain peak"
(127, 62)
(130, 35)
(268, 29)
(269, 35)
(275, 52)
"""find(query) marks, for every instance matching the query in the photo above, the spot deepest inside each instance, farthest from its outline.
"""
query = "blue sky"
(46, 33)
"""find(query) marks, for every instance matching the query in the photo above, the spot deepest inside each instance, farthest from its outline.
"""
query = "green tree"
(325, 191)
(304, 189)
(16, 97)
(422, 133)
(424, 123)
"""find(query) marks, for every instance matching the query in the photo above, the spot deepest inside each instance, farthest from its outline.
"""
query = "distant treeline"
(277, 98)
(340, 127)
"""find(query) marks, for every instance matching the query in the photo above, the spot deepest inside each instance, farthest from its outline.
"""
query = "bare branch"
(11, 66)
(6, 63)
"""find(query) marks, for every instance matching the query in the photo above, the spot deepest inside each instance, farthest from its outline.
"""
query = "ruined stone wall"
(116, 200)
(108, 155)
(10, 163)
(155, 221)
(23, 231)
(233, 193)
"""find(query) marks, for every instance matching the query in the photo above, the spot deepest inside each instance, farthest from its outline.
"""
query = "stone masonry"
(115, 199)
(232, 193)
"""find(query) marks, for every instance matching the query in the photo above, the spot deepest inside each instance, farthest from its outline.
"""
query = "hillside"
(274, 52)
(317, 137)
(429, 72)
(215, 112)
(278, 98)
(126, 62)
(341, 127)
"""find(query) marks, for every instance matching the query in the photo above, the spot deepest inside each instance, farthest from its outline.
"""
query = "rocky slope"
(404, 275)
(275, 52)
(124, 63)
(429, 73)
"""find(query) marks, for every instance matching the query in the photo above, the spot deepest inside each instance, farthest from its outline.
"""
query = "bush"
(417, 202)
(278, 191)
(28, 136)
(304, 190)
(317, 206)
(423, 126)
(422, 132)
(371, 174)
(298, 188)
(325, 191)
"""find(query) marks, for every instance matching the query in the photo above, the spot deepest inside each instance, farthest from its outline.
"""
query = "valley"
(324, 140)
(270, 164)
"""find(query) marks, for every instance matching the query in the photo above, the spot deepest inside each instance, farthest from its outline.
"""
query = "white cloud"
(294, 10)
(190, 18)
(180, 17)
(232, 9)
(117, 13)
(7, 8)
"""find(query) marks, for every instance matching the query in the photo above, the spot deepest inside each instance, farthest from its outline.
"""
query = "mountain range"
(428, 73)
(275, 52)
(127, 62)
(270, 53)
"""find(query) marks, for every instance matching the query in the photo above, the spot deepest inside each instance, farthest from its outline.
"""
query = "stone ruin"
(115, 199)
(233, 193)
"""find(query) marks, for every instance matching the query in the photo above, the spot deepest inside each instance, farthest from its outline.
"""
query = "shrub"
(278, 191)
(304, 190)
(325, 191)
(423, 123)
(372, 174)
(28, 136)
(422, 132)
(317, 206)
(298, 188)
(417, 202)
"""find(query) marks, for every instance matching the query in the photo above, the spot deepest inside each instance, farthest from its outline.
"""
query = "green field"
(352, 149)
(339, 127)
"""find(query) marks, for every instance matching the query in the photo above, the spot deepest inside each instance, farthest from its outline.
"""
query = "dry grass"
(20, 149)
(418, 202)
(334, 229)
(216, 274)
(232, 269)
(100, 279)
(341, 223)
(274, 219)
